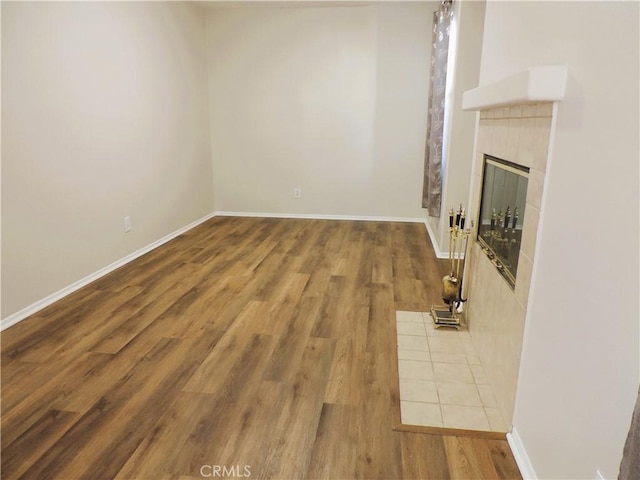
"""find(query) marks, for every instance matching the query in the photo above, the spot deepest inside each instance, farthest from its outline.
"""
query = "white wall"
(579, 371)
(103, 115)
(403, 43)
(328, 99)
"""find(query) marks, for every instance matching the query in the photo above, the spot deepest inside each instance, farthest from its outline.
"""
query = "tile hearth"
(442, 381)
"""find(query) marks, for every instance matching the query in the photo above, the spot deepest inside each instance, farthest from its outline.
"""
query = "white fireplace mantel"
(536, 84)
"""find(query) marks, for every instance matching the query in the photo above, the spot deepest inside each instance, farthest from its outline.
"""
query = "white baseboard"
(434, 243)
(436, 247)
(54, 297)
(317, 216)
(520, 454)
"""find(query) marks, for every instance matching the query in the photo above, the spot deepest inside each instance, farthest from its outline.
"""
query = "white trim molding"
(520, 454)
(436, 248)
(54, 297)
(318, 216)
(536, 84)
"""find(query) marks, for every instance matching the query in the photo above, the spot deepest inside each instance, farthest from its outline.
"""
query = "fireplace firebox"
(502, 207)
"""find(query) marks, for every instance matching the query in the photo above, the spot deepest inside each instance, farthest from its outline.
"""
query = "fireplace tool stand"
(446, 315)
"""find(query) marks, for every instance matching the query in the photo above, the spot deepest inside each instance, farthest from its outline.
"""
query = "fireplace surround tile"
(545, 109)
(541, 132)
(513, 138)
(528, 244)
(534, 189)
(526, 145)
(496, 312)
(525, 267)
(529, 110)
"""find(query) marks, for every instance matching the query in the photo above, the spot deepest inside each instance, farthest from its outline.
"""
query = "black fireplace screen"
(504, 194)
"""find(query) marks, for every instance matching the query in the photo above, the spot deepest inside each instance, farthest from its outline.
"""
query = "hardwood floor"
(261, 346)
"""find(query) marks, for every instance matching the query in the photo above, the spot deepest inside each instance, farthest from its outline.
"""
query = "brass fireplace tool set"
(452, 283)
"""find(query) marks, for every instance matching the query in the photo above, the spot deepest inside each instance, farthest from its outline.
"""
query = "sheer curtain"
(432, 186)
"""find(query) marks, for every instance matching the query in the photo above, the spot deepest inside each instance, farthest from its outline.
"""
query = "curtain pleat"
(630, 465)
(432, 186)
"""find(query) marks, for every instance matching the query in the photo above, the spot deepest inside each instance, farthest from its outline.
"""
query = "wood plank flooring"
(264, 346)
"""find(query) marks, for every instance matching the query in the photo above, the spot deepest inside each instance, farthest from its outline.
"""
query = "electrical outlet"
(599, 475)
(127, 224)
(297, 193)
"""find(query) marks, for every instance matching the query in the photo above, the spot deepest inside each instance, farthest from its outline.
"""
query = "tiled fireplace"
(517, 129)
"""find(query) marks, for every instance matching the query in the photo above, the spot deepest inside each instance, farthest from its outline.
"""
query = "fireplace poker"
(462, 218)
